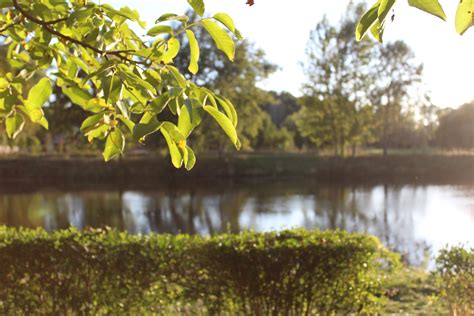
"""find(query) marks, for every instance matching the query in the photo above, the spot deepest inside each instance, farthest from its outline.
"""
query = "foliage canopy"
(128, 85)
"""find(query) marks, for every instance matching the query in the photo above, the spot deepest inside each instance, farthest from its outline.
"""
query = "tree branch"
(55, 21)
(46, 26)
(6, 27)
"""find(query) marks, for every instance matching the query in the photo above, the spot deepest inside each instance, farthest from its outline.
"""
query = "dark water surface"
(416, 220)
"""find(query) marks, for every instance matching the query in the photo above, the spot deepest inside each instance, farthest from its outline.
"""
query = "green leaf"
(384, 9)
(112, 87)
(44, 123)
(100, 132)
(191, 159)
(14, 125)
(464, 16)
(160, 29)
(367, 20)
(430, 6)
(137, 81)
(128, 122)
(198, 6)
(377, 31)
(142, 130)
(188, 119)
(222, 40)
(229, 109)
(37, 97)
(78, 96)
(91, 122)
(174, 132)
(172, 51)
(176, 157)
(159, 103)
(171, 16)
(226, 20)
(114, 144)
(194, 52)
(225, 123)
(178, 76)
(39, 94)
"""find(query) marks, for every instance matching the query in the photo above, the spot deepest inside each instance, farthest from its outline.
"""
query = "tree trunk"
(385, 131)
(354, 148)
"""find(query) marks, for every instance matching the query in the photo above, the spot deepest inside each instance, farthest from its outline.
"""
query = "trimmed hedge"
(455, 272)
(292, 272)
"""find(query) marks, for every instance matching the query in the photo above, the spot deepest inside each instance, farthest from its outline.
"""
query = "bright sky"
(281, 28)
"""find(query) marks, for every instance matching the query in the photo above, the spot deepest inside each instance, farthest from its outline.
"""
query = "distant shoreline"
(148, 171)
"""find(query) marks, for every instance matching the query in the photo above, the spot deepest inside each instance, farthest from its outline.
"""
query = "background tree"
(335, 110)
(456, 128)
(396, 75)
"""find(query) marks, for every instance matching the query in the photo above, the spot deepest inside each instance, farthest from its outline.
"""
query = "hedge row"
(105, 271)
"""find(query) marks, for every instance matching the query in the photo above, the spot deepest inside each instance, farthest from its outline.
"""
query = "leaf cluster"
(375, 18)
(126, 84)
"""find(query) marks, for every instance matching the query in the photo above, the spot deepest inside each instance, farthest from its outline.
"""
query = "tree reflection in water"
(396, 214)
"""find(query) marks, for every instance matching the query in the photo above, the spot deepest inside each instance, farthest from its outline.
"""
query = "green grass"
(411, 291)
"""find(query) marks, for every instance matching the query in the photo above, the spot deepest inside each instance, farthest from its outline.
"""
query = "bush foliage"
(104, 271)
(455, 271)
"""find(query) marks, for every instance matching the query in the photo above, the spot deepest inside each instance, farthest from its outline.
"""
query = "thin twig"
(46, 26)
(6, 27)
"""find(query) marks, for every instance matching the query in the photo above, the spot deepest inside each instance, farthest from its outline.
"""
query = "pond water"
(416, 220)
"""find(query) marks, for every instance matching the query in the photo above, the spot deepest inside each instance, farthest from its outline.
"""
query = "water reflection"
(414, 220)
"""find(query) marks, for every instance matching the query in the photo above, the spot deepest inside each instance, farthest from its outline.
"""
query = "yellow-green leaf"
(430, 6)
(176, 157)
(367, 20)
(198, 6)
(226, 20)
(464, 16)
(191, 159)
(44, 123)
(114, 144)
(194, 51)
(39, 94)
(91, 122)
(14, 125)
(78, 96)
(142, 130)
(160, 29)
(222, 40)
(377, 31)
(384, 9)
(225, 123)
(172, 50)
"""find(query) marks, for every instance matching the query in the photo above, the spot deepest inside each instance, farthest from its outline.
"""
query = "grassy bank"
(145, 169)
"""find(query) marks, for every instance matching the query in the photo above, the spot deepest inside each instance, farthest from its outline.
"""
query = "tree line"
(356, 94)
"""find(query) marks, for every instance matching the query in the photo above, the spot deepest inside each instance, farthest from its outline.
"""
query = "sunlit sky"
(281, 28)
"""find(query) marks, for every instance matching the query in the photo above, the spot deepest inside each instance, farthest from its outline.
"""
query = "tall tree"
(396, 75)
(456, 128)
(334, 111)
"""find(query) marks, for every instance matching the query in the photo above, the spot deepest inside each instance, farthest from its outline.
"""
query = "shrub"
(106, 271)
(455, 272)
